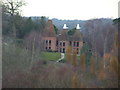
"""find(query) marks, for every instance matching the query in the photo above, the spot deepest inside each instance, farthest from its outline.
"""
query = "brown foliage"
(33, 38)
(114, 65)
(116, 40)
(106, 59)
(75, 81)
(74, 58)
(107, 56)
(100, 34)
(101, 74)
(82, 85)
(92, 68)
(82, 62)
(69, 54)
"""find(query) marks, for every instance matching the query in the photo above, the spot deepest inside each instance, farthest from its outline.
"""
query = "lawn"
(53, 56)
(50, 56)
(64, 60)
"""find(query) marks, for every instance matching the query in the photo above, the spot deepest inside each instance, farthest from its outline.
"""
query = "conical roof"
(63, 35)
(77, 35)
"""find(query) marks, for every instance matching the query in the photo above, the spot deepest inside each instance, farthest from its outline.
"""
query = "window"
(77, 44)
(74, 44)
(49, 42)
(46, 41)
(60, 43)
(49, 47)
(70, 43)
(77, 49)
(63, 50)
(57, 43)
(63, 43)
(60, 49)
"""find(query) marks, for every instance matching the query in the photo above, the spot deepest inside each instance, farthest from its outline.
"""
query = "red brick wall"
(67, 44)
(80, 45)
(57, 48)
(53, 43)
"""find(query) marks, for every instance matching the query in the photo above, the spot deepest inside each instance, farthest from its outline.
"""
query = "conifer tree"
(116, 40)
(74, 58)
(114, 58)
(82, 62)
(101, 74)
(75, 81)
(69, 54)
(114, 65)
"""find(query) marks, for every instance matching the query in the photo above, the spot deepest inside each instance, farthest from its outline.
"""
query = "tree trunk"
(13, 26)
(33, 51)
(104, 51)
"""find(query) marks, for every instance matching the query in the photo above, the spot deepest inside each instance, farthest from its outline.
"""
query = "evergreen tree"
(74, 58)
(82, 62)
(69, 54)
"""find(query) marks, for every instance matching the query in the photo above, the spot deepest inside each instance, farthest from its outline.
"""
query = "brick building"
(60, 42)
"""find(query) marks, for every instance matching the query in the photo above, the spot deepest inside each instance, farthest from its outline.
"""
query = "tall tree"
(74, 58)
(92, 68)
(69, 54)
(13, 8)
(5, 21)
(99, 33)
(101, 71)
(43, 23)
(82, 62)
(56, 29)
(86, 49)
(72, 31)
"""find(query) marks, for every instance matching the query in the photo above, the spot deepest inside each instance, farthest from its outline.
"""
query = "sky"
(71, 9)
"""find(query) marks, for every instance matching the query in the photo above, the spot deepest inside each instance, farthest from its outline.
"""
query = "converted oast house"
(60, 42)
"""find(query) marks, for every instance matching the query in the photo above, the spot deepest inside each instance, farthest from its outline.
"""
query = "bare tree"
(99, 33)
(36, 38)
(13, 8)
(33, 42)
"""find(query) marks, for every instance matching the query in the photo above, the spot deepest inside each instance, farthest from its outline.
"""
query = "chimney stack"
(50, 26)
